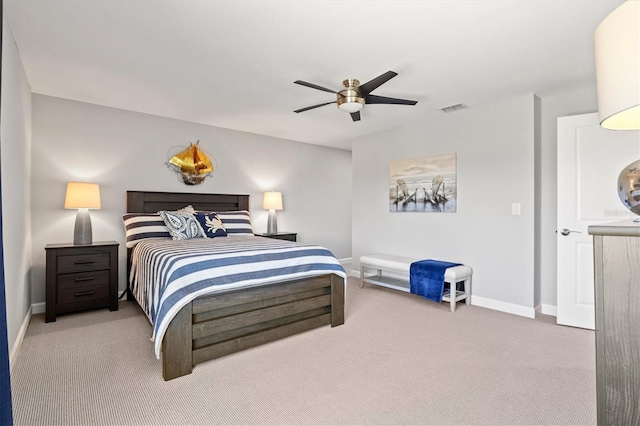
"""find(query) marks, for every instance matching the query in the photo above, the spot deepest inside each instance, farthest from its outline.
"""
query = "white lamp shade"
(617, 53)
(82, 196)
(272, 200)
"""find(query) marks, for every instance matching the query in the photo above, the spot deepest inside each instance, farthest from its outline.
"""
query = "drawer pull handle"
(84, 293)
(83, 262)
(84, 279)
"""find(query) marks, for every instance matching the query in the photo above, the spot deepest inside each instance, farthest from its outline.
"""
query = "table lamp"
(82, 196)
(617, 43)
(272, 201)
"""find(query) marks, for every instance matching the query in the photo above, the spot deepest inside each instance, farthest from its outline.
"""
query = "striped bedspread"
(167, 274)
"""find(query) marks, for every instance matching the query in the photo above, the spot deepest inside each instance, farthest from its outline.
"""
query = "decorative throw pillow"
(211, 224)
(236, 222)
(186, 209)
(181, 225)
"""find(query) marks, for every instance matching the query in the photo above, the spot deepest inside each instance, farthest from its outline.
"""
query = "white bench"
(399, 267)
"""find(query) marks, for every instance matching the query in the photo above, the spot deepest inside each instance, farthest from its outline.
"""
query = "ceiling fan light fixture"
(349, 99)
(353, 97)
(350, 104)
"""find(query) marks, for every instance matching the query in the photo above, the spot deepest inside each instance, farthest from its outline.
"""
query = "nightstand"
(81, 277)
(288, 236)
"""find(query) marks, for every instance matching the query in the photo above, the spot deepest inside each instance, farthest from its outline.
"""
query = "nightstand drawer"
(83, 262)
(82, 294)
(83, 279)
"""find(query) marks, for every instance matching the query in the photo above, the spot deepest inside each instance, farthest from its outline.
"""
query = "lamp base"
(272, 222)
(82, 233)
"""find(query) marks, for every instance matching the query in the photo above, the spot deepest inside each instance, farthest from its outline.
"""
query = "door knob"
(564, 232)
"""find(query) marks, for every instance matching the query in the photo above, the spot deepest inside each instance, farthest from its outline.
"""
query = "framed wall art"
(426, 184)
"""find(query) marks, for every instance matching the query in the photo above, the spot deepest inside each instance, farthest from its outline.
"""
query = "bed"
(231, 320)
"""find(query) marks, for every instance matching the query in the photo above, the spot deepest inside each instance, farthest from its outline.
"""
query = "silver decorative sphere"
(629, 187)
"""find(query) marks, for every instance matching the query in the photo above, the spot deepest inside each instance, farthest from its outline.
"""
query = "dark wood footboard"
(224, 323)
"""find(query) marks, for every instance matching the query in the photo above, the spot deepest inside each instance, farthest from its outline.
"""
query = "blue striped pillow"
(139, 226)
(236, 222)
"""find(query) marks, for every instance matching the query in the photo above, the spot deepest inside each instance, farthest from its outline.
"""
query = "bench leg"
(467, 289)
(361, 275)
(453, 292)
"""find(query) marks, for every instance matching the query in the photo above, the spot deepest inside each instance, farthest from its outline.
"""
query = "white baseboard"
(38, 308)
(509, 308)
(345, 261)
(496, 305)
(18, 343)
(549, 310)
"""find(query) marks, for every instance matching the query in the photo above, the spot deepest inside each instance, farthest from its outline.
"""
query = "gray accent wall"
(15, 128)
(495, 168)
(123, 150)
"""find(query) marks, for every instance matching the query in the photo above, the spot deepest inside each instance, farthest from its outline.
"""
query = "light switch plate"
(515, 208)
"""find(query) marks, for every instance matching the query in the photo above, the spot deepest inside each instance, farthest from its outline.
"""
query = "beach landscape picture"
(426, 184)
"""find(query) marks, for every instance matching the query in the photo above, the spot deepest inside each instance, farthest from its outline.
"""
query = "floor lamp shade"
(272, 201)
(82, 196)
(617, 55)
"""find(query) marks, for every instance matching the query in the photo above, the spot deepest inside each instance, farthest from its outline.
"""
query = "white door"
(590, 160)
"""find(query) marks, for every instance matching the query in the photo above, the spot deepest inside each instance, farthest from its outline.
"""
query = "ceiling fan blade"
(314, 106)
(373, 99)
(355, 116)
(370, 86)
(314, 86)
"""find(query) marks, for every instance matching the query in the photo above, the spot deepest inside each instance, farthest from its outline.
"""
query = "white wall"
(15, 164)
(495, 168)
(572, 102)
(123, 150)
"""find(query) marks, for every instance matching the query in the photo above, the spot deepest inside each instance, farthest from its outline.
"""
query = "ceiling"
(232, 64)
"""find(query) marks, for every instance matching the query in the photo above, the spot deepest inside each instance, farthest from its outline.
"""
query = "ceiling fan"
(354, 96)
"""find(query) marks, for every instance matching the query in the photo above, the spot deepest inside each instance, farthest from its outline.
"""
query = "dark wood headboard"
(152, 202)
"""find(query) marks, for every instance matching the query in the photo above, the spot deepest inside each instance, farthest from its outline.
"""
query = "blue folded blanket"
(426, 278)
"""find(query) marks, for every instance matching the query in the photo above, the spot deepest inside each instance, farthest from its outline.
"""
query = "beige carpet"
(398, 359)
